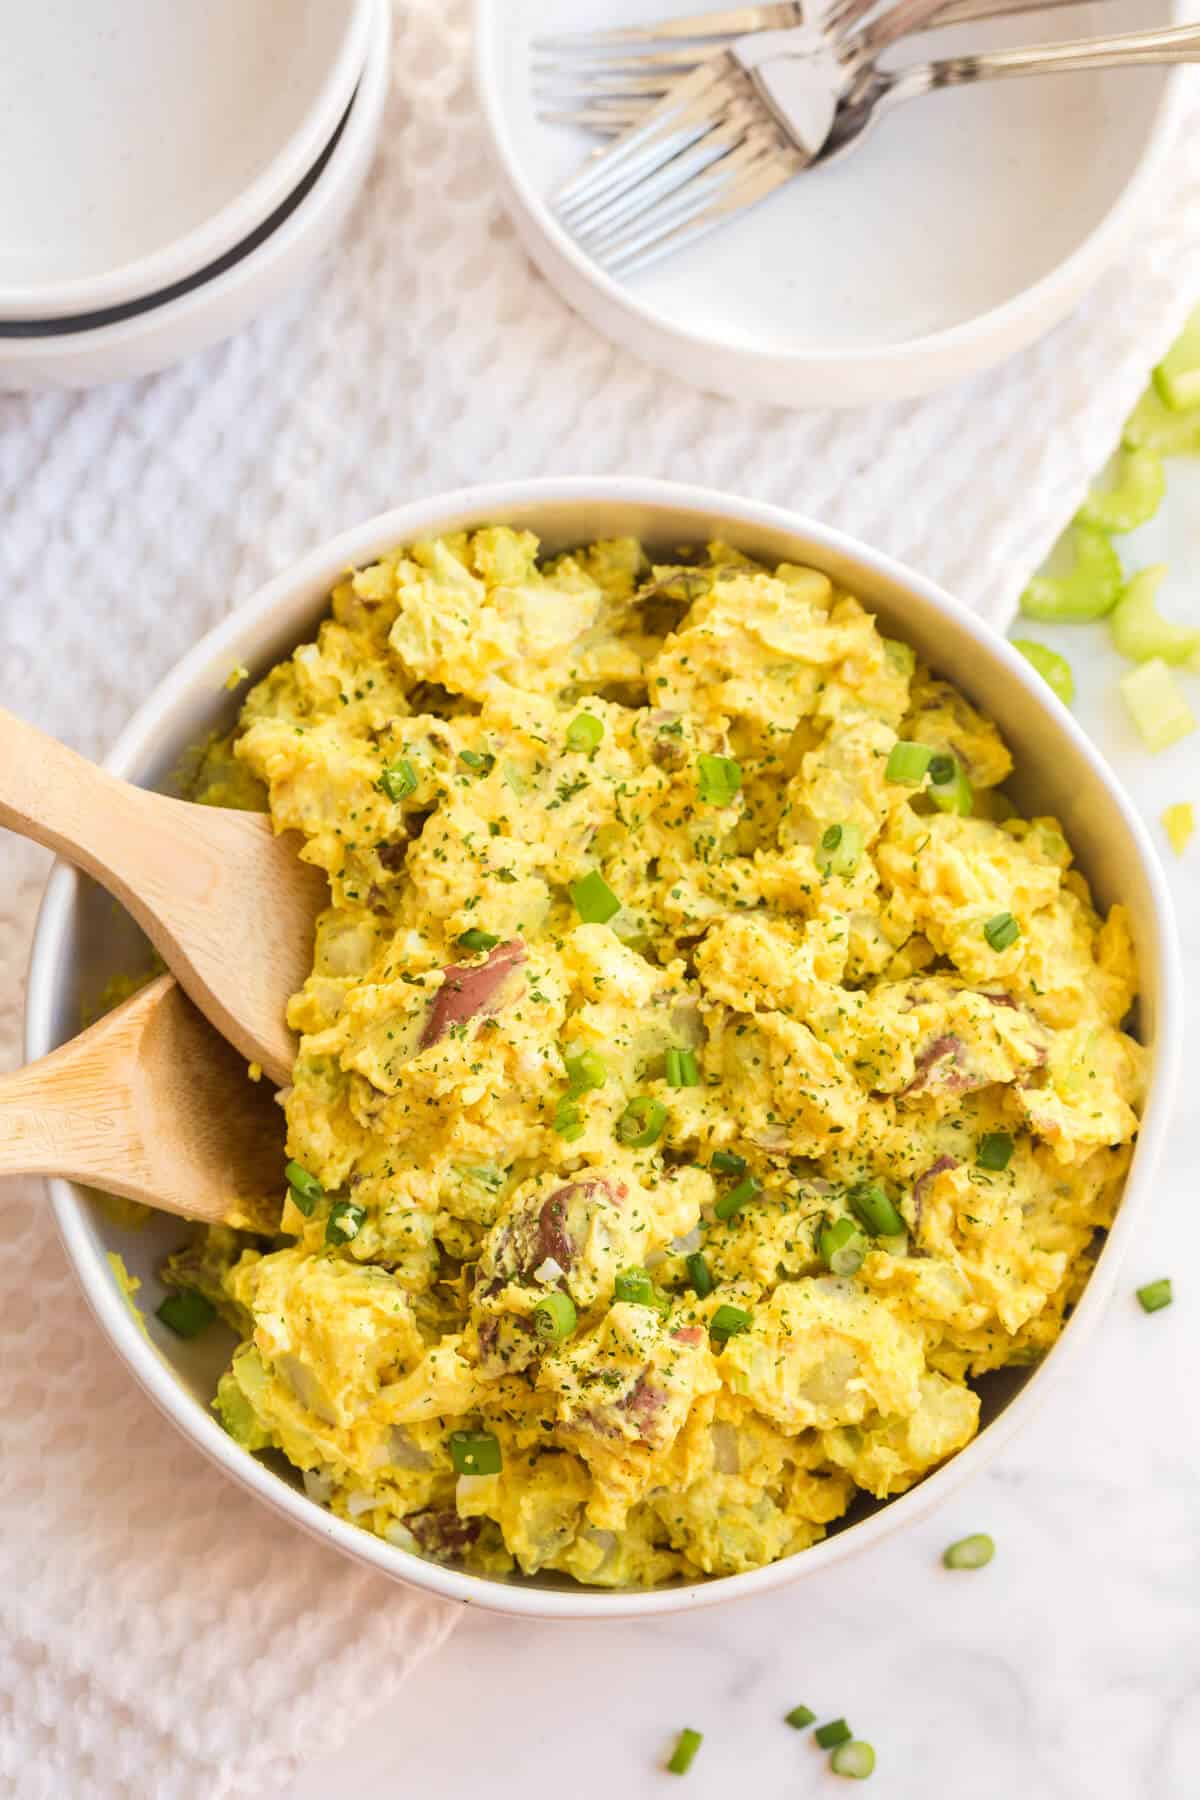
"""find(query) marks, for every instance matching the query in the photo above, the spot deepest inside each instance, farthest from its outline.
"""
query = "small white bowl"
(77, 947)
(202, 312)
(143, 142)
(968, 224)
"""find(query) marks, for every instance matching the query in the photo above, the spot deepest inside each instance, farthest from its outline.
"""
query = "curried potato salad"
(705, 1076)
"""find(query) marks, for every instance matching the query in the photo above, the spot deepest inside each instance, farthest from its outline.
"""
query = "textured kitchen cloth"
(161, 1635)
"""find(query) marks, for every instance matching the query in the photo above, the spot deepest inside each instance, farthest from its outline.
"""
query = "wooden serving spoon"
(227, 904)
(152, 1104)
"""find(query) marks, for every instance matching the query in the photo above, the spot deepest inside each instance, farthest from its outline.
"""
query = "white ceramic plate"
(79, 943)
(964, 227)
(161, 332)
(141, 139)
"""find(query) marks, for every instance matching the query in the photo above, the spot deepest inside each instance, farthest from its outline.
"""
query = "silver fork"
(723, 137)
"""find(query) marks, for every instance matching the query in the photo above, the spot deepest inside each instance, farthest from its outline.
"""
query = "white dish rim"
(234, 640)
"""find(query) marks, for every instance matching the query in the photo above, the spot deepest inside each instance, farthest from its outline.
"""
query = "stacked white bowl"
(174, 167)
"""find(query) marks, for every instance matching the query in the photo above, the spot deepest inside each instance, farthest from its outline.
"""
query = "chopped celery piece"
(1052, 667)
(1177, 376)
(1180, 822)
(1153, 426)
(1156, 704)
(1139, 630)
(1134, 497)
(1089, 589)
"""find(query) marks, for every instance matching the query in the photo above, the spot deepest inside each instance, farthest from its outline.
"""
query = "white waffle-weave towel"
(160, 1635)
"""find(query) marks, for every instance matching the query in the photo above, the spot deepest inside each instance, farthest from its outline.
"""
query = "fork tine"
(763, 179)
(691, 193)
(670, 125)
(679, 59)
(573, 87)
(726, 24)
(611, 213)
(613, 120)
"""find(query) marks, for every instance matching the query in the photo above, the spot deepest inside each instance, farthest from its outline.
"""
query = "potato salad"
(706, 1076)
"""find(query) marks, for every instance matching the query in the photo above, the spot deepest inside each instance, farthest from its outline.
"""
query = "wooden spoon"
(152, 1104)
(227, 904)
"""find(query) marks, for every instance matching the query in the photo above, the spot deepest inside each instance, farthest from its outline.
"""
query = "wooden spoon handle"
(59, 799)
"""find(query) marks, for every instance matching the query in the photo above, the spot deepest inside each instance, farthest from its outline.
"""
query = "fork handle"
(1167, 44)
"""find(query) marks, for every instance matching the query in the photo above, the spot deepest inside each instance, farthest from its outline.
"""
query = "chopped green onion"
(799, 1717)
(1177, 376)
(700, 1275)
(1157, 705)
(908, 763)
(876, 1211)
(398, 780)
(727, 1321)
(1088, 591)
(727, 1162)
(476, 940)
(1134, 497)
(635, 1288)
(836, 1732)
(839, 849)
(594, 900)
(345, 1221)
(855, 1759)
(642, 1121)
(718, 779)
(1001, 931)
(842, 1246)
(737, 1197)
(568, 1121)
(554, 1318)
(1155, 1295)
(949, 788)
(584, 732)
(970, 1552)
(1153, 424)
(1139, 630)
(1054, 669)
(585, 1071)
(682, 1069)
(995, 1151)
(481, 762)
(685, 1750)
(475, 1452)
(186, 1313)
(307, 1192)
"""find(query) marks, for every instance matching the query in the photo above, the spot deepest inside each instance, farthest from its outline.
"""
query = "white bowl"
(241, 285)
(76, 948)
(967, 225)
(142, 142)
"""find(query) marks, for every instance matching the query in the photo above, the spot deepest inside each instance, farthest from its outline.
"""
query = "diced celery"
(1177, 376)
(1180, 822)
(1052, 667)
(1139, 630)
(1088, 590)
(1156, 705)
(1135, 496)
(1153, 426)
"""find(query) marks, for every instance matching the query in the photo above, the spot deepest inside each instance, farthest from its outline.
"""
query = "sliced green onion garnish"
(642, 1121)
(584, 732)
(842, 1246)
(635, 1288)
(836, 1732)
(718, 779)
(949, 788)
(345, 1221)
(737, 1197)
(970, 1552)
(307, 1192)
(585, 1071)
(839, 850)
(480, 762)
(1155, 1295)
(682, 1069)
(1088, 591)
(398, 780)
(1001, 931)
(554, 1318)
(799, 1717)
(700, 1275)
(1054, 669)
(908, 763)
(1134, 497)
(1177, 376)
(475, 1452)
(1139, 630)
(875, 1210)
(568, 1121)
(187, 1313)
(1157, 704)
(995, 1151)
(476, 940)
(727, 1321)
(855, 1759)
(728, 1162)
(594, 900)
(685, 1751)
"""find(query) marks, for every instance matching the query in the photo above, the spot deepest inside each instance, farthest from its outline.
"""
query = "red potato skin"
(470, 990)
(922, 1182)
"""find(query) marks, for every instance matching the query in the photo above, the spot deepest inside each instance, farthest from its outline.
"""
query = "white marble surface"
(1067, 1670)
